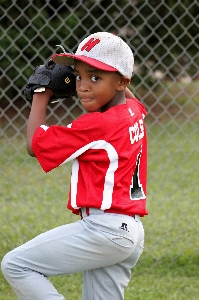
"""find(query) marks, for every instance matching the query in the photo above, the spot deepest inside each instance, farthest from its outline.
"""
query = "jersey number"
(136, 189)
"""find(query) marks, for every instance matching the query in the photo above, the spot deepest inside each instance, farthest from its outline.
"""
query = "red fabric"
(107, 149)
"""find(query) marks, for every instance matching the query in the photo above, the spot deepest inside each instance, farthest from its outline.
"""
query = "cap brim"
(68, 59)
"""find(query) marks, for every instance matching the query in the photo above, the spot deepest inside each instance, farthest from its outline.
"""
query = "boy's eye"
(94, 78)
(78, 77)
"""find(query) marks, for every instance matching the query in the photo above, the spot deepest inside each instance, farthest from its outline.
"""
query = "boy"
(108, 179)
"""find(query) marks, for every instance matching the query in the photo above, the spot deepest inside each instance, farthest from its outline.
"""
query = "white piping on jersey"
(44, 127)
(109, 178)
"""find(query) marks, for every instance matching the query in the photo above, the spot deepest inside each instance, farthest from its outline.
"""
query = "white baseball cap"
(102, 50)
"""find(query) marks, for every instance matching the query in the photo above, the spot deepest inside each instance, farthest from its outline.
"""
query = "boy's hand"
(40, 94)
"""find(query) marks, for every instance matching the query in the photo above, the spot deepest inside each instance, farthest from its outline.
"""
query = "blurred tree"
(162, 35)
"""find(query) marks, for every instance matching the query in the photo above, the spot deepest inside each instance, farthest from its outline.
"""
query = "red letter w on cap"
(90, 44)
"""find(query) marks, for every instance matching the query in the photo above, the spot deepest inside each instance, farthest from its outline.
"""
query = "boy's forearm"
(37, 116)
(129, 94)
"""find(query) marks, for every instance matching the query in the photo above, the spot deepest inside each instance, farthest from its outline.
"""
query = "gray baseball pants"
(103, 246)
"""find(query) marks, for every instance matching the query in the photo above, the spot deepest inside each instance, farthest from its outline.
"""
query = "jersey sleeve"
(55, 145)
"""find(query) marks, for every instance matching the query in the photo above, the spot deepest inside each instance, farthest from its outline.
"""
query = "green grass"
(32, 202)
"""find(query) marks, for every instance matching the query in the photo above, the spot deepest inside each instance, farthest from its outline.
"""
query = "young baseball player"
(108, 180)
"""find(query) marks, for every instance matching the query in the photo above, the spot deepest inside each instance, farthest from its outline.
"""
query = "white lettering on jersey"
(109, 178)
(131, 112)
(136, 131)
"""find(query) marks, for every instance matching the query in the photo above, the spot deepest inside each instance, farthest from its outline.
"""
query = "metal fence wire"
(164, 36)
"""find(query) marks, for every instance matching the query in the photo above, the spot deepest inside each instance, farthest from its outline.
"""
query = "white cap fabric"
(102, 50)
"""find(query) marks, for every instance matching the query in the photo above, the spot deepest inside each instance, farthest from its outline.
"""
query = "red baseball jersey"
(109, 154)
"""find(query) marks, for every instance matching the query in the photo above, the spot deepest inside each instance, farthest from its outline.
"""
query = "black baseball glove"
(59, 78)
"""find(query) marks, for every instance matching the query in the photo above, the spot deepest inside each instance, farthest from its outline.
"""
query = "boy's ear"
(122, 83)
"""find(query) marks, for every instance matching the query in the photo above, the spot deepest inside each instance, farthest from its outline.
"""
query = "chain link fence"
(164, 36)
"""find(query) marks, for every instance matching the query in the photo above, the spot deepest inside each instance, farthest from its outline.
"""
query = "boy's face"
(97, 89)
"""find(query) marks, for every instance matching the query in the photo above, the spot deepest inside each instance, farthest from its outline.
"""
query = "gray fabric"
(102, 246)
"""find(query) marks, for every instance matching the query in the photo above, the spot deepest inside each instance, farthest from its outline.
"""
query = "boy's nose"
(84, 86)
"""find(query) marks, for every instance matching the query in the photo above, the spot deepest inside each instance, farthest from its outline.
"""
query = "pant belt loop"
(87, 211)
(137, 217)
